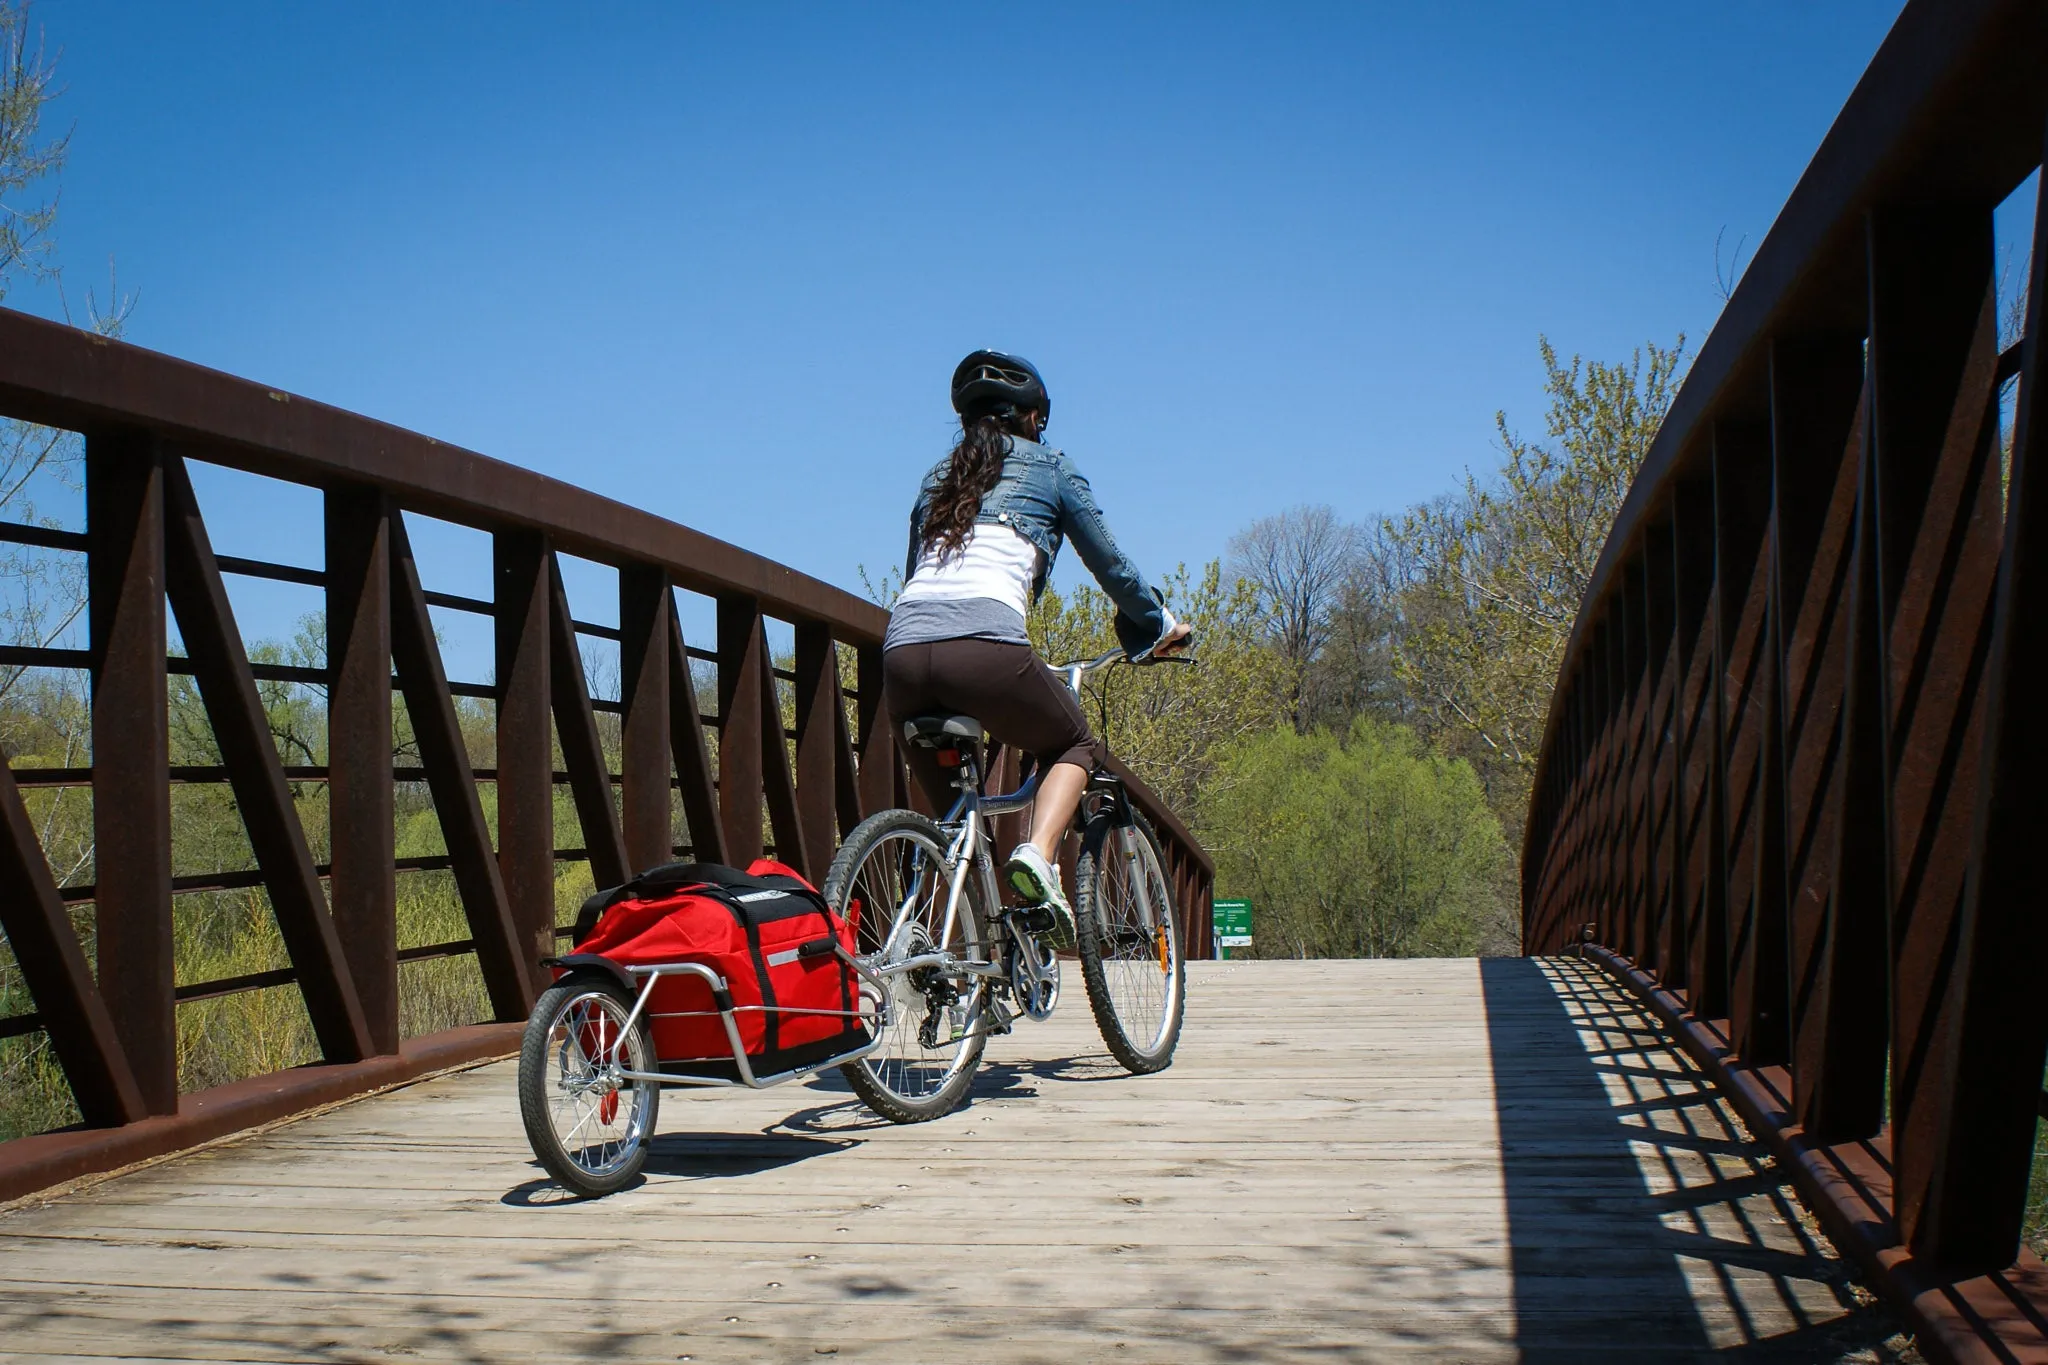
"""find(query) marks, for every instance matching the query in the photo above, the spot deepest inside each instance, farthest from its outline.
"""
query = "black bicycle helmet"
(989, 381)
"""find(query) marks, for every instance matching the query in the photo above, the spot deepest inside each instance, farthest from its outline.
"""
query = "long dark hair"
(971, 471)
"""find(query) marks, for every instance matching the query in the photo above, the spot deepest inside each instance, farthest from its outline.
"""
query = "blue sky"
(719, 260)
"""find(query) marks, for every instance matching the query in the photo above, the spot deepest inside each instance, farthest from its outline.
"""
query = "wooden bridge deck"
(1448, 1160)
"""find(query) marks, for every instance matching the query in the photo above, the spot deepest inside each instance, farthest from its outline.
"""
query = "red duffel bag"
(767, 931)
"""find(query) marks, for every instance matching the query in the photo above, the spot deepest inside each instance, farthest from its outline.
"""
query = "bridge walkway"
(1446, 1160)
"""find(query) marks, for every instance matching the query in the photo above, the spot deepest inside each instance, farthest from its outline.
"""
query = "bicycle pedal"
(1036, 919)
(999, 1016)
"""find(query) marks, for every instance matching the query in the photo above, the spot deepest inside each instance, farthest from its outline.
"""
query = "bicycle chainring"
(1035, 984)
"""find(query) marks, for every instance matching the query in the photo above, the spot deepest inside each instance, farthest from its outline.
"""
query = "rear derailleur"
(941, 994)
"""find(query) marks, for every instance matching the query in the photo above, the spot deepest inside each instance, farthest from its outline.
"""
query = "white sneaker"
(1038, 882)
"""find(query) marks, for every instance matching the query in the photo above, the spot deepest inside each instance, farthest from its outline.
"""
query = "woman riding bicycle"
(986, 527)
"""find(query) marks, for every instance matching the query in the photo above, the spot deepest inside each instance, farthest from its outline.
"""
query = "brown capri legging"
(1004, 686)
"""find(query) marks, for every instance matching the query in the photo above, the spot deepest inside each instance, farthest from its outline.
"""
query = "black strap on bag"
(670, 878)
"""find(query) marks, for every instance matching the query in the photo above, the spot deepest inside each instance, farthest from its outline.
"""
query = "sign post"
(1232, 925)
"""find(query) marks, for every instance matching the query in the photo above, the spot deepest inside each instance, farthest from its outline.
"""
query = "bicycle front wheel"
(1129, 941)
(889, 878)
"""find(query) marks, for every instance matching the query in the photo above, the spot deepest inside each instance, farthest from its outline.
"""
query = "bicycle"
(956, 966)
(941, 965)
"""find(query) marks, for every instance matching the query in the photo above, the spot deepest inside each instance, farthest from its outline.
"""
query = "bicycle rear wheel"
(1129, 940)
(889, 878)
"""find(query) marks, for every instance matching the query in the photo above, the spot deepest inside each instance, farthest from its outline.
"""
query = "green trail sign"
(1232, 921)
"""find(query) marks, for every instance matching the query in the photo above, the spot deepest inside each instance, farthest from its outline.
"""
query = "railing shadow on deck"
(1642, 1221)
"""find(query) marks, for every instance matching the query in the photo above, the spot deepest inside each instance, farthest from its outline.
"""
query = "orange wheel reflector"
(608, 1108)
(1159, 941)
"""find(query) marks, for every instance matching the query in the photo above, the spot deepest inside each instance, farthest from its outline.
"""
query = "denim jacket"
(1043, 497)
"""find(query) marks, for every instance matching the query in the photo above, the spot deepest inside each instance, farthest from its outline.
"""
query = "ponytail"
(971, 471)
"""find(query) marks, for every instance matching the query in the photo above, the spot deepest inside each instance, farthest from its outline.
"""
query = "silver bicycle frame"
(966, 821)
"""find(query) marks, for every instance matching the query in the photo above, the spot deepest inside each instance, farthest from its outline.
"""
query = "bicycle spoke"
(594, 1140)
(901, 872)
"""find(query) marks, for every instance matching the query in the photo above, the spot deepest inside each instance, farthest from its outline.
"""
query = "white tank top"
(995, 563)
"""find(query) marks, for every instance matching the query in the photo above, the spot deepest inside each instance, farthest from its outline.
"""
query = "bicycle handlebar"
(1081, 668)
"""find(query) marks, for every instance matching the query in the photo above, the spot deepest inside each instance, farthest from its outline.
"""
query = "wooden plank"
(444, 755)
(48, 1160)
(263, 799)
(1325, 1125)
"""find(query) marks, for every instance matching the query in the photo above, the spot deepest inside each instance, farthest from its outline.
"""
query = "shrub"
(1359, 844)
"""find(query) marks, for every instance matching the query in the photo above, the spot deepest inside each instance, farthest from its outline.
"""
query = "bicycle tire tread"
(1094, 982)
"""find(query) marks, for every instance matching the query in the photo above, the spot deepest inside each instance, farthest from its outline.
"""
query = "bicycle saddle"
(941, 731)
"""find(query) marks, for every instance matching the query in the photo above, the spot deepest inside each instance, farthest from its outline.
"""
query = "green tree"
(1497, 572)
(1167, 721)
(41, 594)
(30, 156)
(1357, 844)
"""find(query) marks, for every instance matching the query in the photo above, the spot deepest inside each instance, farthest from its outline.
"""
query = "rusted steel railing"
(112, 1023)
(1793, 781)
